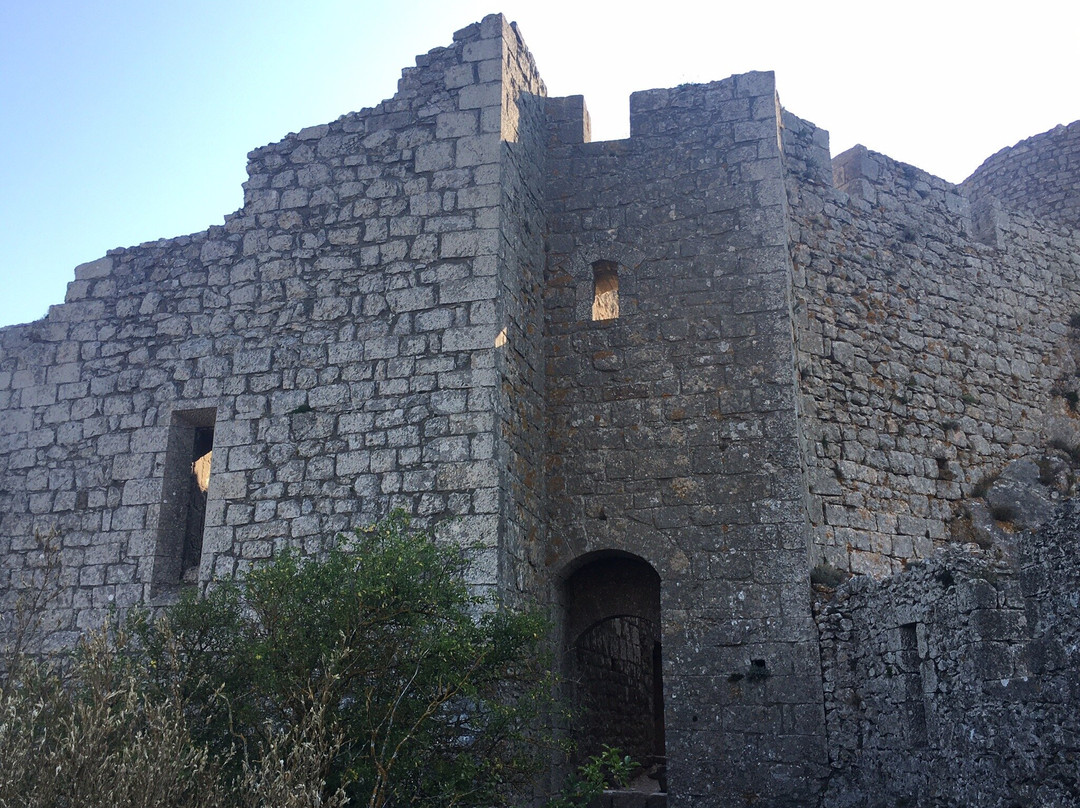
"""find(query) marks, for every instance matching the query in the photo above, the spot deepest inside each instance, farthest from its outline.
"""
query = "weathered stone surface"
(1036, 176)
(1020, 497)
(928, 359)
(709, 349)
(956, 682)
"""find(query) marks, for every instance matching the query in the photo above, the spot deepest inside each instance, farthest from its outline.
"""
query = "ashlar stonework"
(661, 384)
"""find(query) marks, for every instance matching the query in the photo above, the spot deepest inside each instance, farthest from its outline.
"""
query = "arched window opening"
(615, 663)
(605, 290)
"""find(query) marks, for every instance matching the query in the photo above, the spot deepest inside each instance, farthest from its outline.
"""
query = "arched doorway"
(614, 658)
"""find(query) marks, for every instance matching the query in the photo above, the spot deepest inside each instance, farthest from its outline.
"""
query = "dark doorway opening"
(615, 661)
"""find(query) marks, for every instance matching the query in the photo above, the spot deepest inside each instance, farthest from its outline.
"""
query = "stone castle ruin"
(781, 437)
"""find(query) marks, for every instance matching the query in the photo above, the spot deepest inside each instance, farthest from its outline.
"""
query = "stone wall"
(673, 427)
(615, 689)
(1037, 177)
(341, 330)
(519, 346)
(928, 358)
(956, 683)
(795, 362)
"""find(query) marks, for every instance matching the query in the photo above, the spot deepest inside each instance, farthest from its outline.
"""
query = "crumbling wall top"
(1039, 176)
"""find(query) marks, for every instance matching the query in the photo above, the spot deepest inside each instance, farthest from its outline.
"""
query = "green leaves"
(369, 673)
(436, 696)
(610, 768)
(88, 734)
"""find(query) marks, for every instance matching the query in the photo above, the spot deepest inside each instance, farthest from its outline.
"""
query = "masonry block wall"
(341, 331)
(933, 347)
(674, 429)
(956, 682)
(708, 358)
(519, 346)
(1037, 176)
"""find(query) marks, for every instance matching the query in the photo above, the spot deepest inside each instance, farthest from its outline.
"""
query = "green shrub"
(370, 674)
(610, 768)
(434, 693)
(90, 736)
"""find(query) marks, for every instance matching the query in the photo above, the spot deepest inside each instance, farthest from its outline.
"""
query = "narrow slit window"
(201, 455)
(911, 679)
(605, 290)
(185, 486)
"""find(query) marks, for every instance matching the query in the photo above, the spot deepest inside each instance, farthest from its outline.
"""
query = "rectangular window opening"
(913, 698)
(605, 290)
(185, 485)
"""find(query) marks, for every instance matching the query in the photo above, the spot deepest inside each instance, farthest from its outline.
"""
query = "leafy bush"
(369, 674)
(610, 767)
(93, 738)
(433, 693)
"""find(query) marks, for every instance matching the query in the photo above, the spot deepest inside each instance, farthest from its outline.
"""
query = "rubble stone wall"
(933, 348)
(956, 682)
(1037, 176)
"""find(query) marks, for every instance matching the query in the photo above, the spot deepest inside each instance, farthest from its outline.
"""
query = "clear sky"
(124, 121)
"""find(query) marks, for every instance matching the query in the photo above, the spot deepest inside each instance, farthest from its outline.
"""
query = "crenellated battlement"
(669, 386)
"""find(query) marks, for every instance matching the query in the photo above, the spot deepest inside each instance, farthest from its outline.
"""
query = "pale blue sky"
(124, 121)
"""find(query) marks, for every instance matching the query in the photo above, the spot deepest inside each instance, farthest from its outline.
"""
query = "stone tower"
(654, 381)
